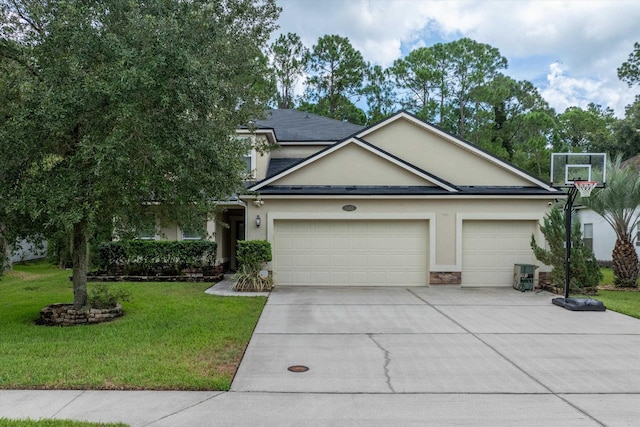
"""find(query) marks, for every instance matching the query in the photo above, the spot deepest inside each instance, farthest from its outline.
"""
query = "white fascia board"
(457, 141)
(271, 136)
(403, 196)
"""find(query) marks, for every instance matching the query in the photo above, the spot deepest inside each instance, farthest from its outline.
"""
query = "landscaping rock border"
(185, 278)
(66, 315)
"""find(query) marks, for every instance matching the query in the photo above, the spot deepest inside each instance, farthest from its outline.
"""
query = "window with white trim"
(192, 234)
(148, 229)
(587, 235)
(249, 159)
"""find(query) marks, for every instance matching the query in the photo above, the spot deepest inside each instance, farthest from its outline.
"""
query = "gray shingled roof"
(298, 126)
(278, 165)
(403, 190)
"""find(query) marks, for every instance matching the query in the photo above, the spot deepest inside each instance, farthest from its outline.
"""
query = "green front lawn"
(607, 276)
(626, 302)
(173, 336)
(621, 301)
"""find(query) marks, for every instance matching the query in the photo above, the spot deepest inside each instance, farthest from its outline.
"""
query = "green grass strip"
(6, 422)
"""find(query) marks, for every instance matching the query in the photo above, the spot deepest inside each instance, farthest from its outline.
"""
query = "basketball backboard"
(569, 167)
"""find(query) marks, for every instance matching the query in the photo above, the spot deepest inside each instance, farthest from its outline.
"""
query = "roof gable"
(451, 158)
(354, 162)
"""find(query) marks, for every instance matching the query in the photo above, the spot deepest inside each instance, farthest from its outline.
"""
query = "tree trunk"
(5, 256)
(79, 256)
(625, 264)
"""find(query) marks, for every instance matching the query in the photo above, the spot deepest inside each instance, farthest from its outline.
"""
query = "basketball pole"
(573, 304)
(571, 196)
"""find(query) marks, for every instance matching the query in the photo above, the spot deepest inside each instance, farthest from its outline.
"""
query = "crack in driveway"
(387, 361)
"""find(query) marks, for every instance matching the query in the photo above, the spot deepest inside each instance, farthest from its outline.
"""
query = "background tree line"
(460, 86)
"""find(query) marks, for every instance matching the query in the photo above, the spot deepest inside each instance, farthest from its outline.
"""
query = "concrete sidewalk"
(398, 356)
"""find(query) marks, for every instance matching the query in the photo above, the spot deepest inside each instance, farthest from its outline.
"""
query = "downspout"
(246, 216)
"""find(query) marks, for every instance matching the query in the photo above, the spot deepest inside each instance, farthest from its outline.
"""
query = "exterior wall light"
(258, 221)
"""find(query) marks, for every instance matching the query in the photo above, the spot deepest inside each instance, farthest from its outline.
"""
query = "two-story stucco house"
(401, 203)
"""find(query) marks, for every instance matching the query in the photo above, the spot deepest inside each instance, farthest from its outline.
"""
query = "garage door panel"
(358, 252)
(491, 248)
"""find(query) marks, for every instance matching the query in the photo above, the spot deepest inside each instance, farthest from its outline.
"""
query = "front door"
(237, 233)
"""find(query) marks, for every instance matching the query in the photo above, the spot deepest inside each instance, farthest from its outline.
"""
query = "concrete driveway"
(448, 354)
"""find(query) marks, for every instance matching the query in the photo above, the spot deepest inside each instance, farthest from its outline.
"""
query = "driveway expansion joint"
(512, 362)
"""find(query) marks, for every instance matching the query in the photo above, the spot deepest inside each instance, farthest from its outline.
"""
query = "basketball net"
(585, 187)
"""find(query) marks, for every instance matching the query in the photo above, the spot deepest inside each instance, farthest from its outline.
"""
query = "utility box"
(525, 277)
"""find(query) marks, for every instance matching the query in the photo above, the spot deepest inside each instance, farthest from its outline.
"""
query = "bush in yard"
(149, 257)
(101, 296)
(585, 272)
(252, 257)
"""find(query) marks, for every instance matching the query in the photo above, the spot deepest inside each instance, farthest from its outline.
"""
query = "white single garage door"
(491, 248)
(350, 252)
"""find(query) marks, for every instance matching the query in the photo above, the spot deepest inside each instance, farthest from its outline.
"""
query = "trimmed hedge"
(151, 257)
(252, 256)
(253, 252)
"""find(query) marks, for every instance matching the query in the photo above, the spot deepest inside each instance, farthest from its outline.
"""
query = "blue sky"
(569, 49)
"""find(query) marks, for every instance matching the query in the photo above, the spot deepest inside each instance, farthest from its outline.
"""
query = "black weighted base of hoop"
(579, 304)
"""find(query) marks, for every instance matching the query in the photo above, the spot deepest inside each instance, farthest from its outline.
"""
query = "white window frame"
(192, 237)
(252, 162)
(251, 154)
(587, 235)
(141, 236)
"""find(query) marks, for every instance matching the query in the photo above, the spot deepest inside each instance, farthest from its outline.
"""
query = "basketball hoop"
(585, 187)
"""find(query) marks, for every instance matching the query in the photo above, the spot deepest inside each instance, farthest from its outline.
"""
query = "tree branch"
(25, 18)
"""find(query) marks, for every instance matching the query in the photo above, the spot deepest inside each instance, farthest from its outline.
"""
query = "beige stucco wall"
(296, 151)
(442, 158)
(352, 165)
(445, 217)
(261, 159)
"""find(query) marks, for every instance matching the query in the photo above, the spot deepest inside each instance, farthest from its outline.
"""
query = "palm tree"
(618, 203)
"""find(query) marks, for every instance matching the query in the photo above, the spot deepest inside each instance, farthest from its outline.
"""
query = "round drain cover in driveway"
(298, 368)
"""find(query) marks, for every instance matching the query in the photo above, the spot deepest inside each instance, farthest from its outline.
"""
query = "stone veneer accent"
(445, 278)
(66, 315)
(544, 277)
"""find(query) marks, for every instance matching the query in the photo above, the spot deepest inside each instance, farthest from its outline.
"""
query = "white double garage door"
(393, 252)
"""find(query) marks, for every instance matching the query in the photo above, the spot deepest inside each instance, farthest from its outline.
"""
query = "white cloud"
(563, 91)
(590, 38)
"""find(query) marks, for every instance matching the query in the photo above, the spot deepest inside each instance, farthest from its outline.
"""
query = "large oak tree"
(109, 106)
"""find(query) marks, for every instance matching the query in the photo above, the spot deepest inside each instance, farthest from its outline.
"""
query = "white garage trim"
(350, 219)
(491, 247)
(431, 217)
(351, 252)
(460, 217)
